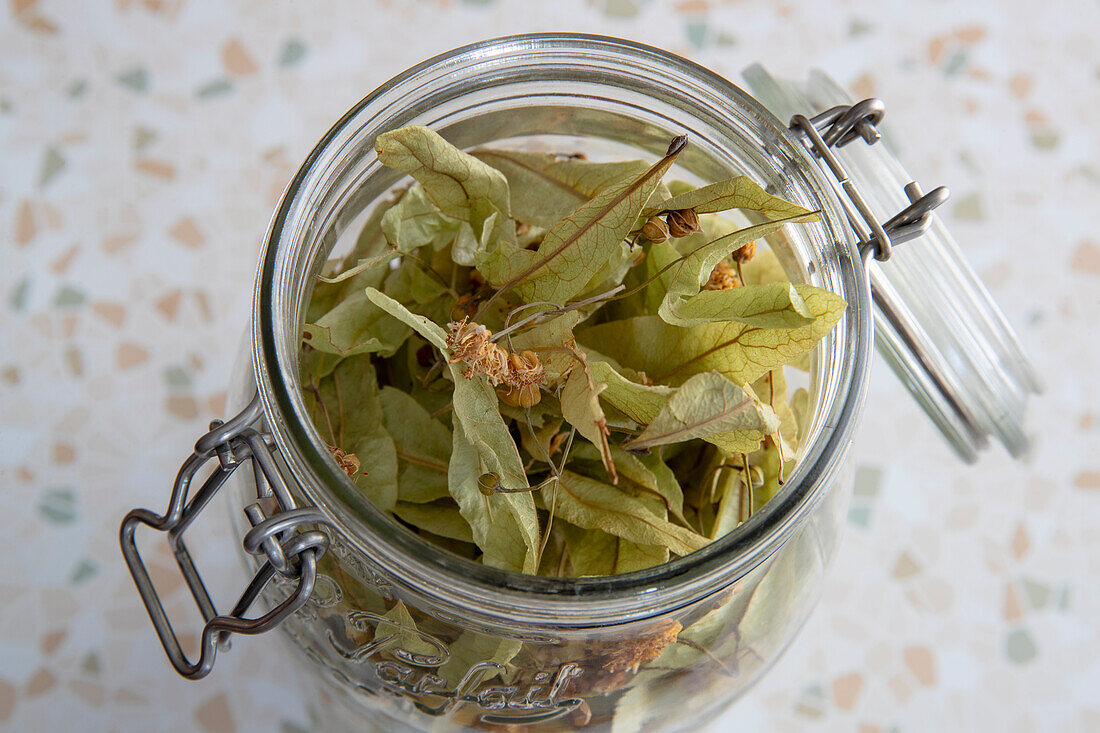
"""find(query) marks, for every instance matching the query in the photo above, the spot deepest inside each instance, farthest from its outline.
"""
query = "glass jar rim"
(461, 584)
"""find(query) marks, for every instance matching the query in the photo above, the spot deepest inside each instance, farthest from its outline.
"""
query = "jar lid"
(935, 323)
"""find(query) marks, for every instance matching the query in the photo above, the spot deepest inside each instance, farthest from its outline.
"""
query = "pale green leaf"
(639, 402)
(768, 461)
(433, 332)
(580, 406)
(583, 242)
(763, 268)
(776, 305)
(733, 502)
(593, 552)
(504, 525)
(660, 271)
(423, 447)
(537, 443)
(460, 185)
(415, 221)
(545, 187)
(772, 389)
(355, 326)
(401, 632)
(705, 405)
(476, 407)
(358, 427)
(739, 192)
(410, 283)
(475, 402)
(665, 483)
(472, 648)
(438, 517)
(740, 352)
(591, 504)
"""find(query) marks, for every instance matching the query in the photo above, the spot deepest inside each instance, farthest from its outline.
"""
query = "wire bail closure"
(277, 536)
(841, 125)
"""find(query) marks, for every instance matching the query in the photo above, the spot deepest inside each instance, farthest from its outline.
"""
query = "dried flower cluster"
(723, 277)
(349, 462)
(522, 373)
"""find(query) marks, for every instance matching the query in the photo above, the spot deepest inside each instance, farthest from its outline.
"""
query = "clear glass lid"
(950, 344)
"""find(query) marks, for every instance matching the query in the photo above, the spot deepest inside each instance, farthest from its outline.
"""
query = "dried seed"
(655, 230)
(683, 222)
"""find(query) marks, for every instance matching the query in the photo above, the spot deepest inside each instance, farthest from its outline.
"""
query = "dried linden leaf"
(416, 221)
(358, 427)
(738, 351)
(503, 525)
(593, 552)
(739, 192)
(580, 406)
(774, 305)
(423, 447)
(545, 187)
(475, 402)
(592, 504)
(706, 404)
(579, 245)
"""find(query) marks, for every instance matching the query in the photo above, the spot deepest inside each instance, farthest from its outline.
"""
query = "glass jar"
(404, 636)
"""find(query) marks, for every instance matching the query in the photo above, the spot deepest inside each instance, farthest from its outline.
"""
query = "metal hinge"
(841, 125)
(277, 536)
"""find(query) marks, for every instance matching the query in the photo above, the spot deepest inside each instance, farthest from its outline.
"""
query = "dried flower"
(469, 342)
(745, 253)
(655, 230)
(349, 462)
(522, 373)
(683, 222)
(722, 277)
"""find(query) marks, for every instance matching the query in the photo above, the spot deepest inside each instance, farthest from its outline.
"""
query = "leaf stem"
(555, 310)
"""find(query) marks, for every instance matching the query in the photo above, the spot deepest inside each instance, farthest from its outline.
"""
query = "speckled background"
(143, 144)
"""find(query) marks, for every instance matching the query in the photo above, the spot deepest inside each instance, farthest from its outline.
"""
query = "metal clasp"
(276, 536)
(841, 125)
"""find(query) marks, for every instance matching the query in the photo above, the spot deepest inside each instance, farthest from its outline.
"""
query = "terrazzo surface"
(143, 145)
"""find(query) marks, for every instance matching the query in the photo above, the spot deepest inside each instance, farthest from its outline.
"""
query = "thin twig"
(557, 310)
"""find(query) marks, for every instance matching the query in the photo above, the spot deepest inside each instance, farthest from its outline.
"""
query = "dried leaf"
(580, 406)
(583, 242)
(739, 192)
(415, 221)
(740, 352)
(475, 402)
(401, 633)
(706, 405)
(503, 525)
(410, 283)
(358, 428)
(438, 517)
(545, 187)
(472, 648)
(423, 447)
(594, 552)
(591, 504)
(639, 402)
(355, 325)
(666, 484)
(460, 185)
(775, 305)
